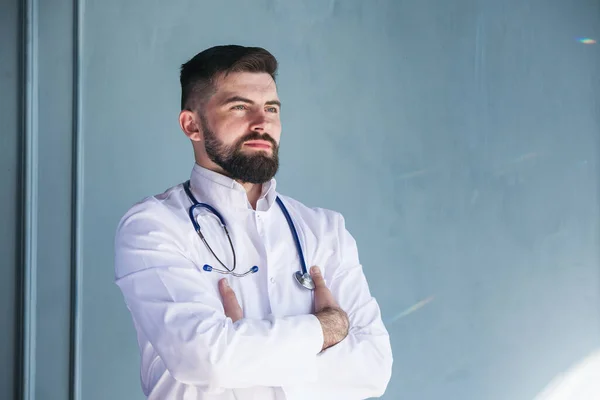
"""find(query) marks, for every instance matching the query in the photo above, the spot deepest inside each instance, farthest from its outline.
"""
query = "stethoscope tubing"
(303, 277)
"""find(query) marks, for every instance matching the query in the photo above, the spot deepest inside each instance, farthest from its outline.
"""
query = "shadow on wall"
(582, 382)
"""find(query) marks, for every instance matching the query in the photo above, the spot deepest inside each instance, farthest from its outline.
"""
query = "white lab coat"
(191, 350)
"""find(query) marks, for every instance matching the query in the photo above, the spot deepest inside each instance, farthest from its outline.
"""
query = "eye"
(239, 107)
(273, 110)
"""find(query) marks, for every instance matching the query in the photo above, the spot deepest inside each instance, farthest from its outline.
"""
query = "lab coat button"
(272, 280)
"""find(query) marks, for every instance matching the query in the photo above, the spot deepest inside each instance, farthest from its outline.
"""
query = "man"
(207, 335)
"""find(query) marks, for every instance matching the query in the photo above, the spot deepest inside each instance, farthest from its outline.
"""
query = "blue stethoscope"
(302, 276)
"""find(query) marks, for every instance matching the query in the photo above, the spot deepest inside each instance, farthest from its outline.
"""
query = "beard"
(259, 167)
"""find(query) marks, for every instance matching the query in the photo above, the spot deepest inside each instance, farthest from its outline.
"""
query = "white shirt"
(191, 350)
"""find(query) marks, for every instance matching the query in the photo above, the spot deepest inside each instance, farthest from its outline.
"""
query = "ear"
(190, 125)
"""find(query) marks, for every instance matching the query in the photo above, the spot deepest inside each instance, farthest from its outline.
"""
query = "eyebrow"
(240, 99)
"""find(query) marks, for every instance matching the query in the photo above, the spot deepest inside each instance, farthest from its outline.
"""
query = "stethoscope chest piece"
(305, 280)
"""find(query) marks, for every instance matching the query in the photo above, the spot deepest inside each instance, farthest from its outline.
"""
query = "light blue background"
(460, 139)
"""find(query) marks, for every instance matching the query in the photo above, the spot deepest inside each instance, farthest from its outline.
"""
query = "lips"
(258, 144)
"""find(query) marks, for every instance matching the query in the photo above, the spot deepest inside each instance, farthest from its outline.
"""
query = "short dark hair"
(198, 75)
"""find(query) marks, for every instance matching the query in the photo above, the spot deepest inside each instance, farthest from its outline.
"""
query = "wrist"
(335, 325)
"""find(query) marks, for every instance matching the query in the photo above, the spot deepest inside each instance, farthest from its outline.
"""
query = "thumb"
(323, 297)
(317, 277)
(230, 304)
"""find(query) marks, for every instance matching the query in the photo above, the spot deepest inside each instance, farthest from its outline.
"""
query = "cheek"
(276, 130)
(229, 131)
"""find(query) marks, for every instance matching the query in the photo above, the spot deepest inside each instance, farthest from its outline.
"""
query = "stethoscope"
(302, 276)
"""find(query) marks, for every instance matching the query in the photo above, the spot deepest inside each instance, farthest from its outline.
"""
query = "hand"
(334, 320)
(230, 303)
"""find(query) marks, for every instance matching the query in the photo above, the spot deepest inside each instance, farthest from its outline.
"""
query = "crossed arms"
(203, 339)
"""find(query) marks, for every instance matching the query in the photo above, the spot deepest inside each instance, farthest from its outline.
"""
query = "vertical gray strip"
(77, 204)
(20, 256)
(30, 196)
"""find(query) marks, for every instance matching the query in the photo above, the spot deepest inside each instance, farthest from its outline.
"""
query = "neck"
(253, 191)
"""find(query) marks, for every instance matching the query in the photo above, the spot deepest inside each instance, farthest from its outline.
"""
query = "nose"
(259, 122)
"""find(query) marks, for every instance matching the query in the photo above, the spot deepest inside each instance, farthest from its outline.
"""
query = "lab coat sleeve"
(180, 312)
(360, 366)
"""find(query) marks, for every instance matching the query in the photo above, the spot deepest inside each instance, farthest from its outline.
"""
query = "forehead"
(247, 84)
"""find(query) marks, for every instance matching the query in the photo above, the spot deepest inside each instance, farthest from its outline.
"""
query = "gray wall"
(9, 195)
(459, 139)
(37, 116)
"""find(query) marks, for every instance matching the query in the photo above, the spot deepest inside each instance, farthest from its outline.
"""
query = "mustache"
(257, 136)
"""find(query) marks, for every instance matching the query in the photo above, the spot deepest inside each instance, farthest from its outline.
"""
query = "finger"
(323, 297)
(315, 273)
(230, 304)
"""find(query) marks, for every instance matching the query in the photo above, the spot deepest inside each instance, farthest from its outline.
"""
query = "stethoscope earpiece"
(209, 268)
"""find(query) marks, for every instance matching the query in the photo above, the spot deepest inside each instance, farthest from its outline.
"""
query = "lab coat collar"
(222, 191)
